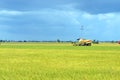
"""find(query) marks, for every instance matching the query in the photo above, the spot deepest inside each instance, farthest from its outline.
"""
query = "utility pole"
(81, 30)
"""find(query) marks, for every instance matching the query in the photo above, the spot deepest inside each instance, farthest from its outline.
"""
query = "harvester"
(82, 42)
(118, 42)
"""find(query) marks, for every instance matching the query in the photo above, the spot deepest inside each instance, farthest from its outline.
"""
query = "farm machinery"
(118, 42)
(82, 42)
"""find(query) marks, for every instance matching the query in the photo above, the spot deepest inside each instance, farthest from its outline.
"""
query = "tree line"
(58, 40)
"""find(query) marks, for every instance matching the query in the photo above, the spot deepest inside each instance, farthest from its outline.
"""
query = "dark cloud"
(45, 24)
(91, 6)
(31, 5)
(99, 6)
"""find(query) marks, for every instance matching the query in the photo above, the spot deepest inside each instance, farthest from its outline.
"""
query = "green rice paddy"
(59, 61)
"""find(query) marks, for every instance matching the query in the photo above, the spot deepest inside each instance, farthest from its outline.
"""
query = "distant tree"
(1, 40)
(112, 41)
(24, 41)
(95, 42)
(58, 40)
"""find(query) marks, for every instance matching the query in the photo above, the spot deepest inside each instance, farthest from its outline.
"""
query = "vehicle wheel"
(89, 44)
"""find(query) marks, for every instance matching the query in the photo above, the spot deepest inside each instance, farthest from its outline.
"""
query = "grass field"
(59, 61)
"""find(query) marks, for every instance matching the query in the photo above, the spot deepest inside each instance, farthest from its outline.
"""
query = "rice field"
(59, 61)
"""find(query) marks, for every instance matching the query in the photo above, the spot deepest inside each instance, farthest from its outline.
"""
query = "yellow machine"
(83, 42)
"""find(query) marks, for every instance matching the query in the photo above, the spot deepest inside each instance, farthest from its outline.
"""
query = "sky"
(59, 19)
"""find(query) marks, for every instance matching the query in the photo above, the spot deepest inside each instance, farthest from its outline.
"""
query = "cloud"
(8, 12)
(43, 20)
(23, 5)
(98, 6)
(93, 6)
(52, 24)
(103, 26)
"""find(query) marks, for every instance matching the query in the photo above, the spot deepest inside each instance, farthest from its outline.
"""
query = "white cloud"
(8, 12)
(87, 16)
(106, 16)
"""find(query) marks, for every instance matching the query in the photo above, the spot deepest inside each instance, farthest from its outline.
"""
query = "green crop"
(59, 61)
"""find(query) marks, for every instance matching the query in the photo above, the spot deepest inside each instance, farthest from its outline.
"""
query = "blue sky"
(59, 19)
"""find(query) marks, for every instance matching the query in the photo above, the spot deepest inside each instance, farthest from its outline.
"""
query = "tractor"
(82, 42)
